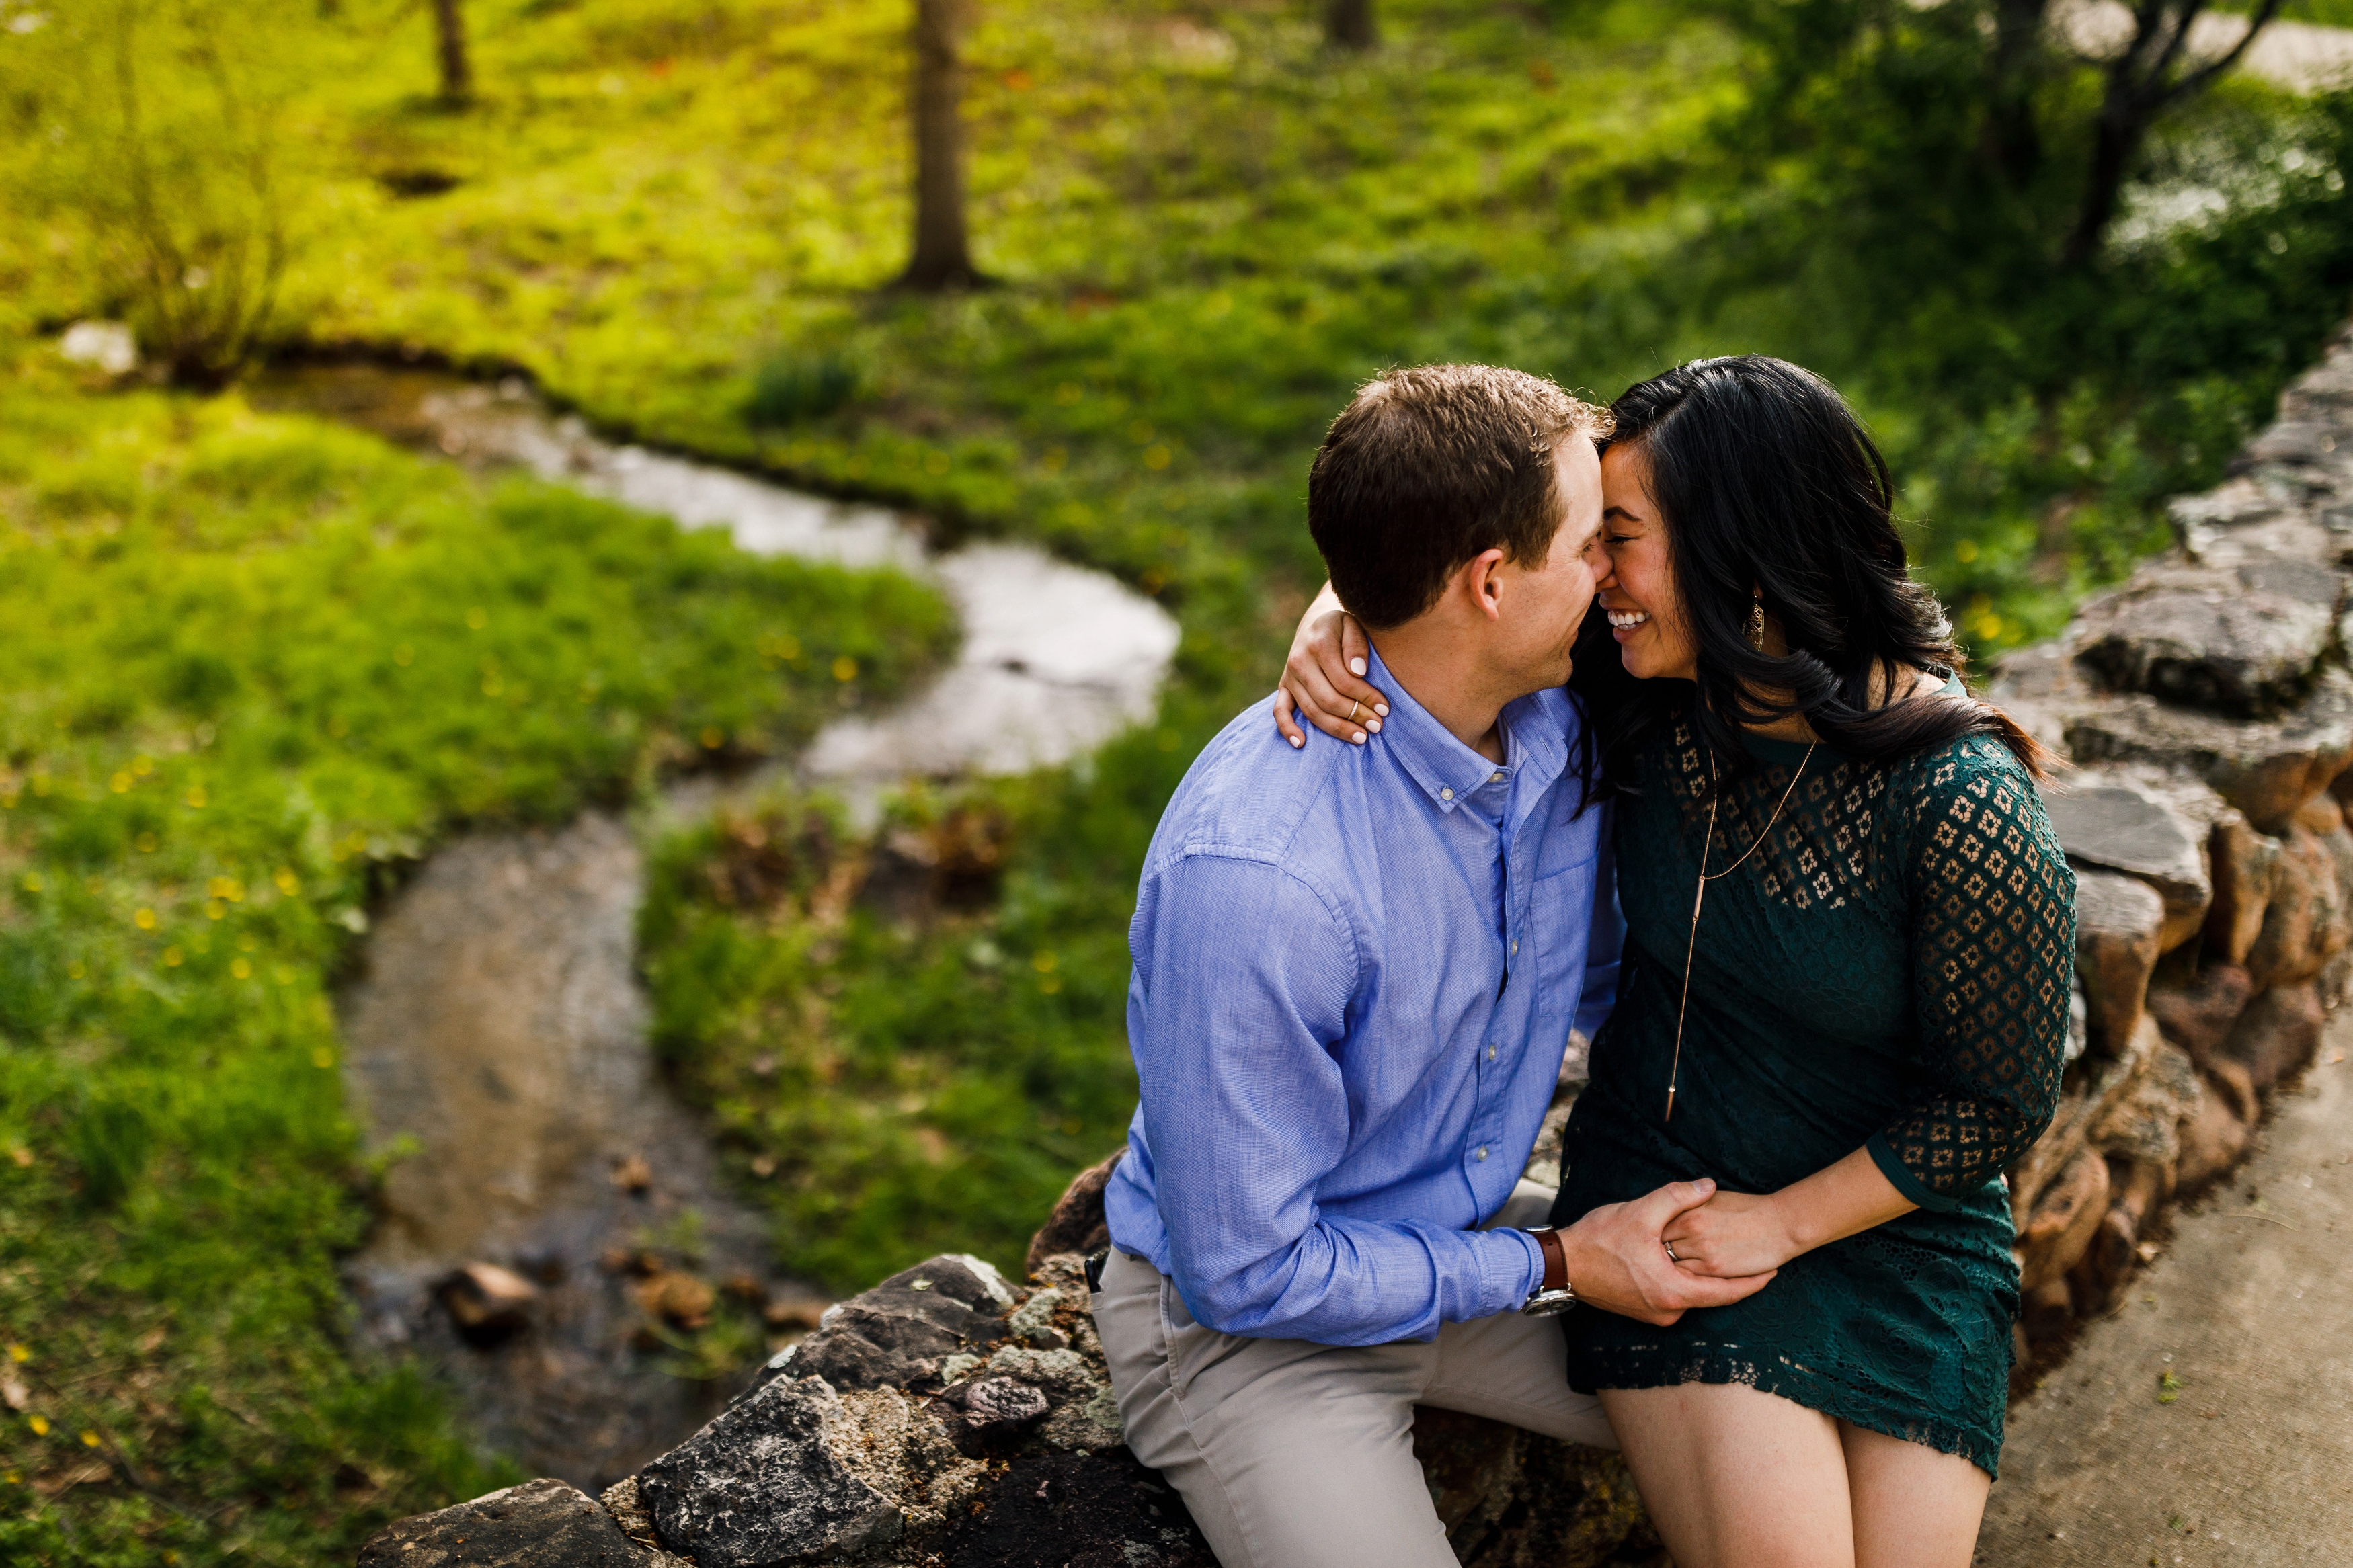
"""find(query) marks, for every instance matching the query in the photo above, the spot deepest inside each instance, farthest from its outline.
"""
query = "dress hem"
(1801, 1386)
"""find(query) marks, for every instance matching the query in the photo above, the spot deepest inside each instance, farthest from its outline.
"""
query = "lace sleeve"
(1992, 905)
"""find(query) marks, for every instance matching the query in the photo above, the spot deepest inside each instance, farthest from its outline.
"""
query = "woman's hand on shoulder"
(1323, 679)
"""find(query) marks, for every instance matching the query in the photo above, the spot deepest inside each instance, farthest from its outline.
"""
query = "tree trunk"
(2113, 142)
(2013, 141)
(943, 258)
(449, 29)
(1348, 25)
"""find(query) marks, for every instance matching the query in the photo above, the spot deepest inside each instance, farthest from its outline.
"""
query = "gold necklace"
(1699, 897)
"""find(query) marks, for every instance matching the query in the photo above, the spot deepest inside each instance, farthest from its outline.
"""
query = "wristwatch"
(1553, 1292)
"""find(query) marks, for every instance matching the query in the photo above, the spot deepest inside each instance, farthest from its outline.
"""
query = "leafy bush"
(791, 388)
(163, 147)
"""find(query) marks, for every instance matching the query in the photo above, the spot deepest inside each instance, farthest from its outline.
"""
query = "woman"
(1849, 935)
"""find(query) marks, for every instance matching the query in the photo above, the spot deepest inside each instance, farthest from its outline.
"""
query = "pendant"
(1669, 1116)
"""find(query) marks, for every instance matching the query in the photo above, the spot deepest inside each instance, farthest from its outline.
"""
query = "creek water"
(495, 1027)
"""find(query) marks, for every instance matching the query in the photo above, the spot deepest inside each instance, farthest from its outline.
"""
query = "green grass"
(257, 665)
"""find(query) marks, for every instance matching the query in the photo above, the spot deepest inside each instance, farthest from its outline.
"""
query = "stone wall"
(2207, 707)
(948, 1419)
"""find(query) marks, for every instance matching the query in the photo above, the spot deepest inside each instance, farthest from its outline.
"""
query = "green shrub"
(790, 389)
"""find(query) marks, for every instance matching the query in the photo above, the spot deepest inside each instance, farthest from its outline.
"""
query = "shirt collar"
(1445, 768)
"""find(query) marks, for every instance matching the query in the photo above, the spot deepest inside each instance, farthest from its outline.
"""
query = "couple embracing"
(1638, 727)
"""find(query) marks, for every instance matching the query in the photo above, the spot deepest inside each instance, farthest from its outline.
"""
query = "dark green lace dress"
(1890, 970)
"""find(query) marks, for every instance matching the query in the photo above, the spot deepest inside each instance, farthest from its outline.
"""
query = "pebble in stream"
(497, 1019)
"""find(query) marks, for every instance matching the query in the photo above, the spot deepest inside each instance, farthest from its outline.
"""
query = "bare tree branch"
(2196, 80)
(2142, 82)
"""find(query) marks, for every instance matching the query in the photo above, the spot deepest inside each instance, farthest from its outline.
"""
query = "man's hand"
(1617, 1259)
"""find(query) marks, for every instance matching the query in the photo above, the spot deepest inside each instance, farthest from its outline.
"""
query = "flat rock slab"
(2130, 830)
(2244, 641)
(2250, 1464)
(539, 1524)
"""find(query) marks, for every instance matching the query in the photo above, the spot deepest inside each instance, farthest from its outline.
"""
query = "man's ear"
(1477, 582)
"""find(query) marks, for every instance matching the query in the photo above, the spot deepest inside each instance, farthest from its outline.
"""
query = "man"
(1356, 971)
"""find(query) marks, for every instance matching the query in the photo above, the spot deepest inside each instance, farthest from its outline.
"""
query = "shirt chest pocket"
(1561, 918)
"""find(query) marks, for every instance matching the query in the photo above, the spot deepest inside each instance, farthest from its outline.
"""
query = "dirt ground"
(2245, 1458)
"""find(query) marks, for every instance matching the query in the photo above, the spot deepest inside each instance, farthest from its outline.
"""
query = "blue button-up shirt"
(1349, 1002)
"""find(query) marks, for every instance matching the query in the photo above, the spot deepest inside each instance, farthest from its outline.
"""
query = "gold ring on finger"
(1353, 703)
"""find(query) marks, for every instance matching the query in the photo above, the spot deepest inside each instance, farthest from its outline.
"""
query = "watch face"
(1546, 1303)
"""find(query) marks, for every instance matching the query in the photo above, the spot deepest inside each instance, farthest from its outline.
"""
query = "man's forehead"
(1581, 483)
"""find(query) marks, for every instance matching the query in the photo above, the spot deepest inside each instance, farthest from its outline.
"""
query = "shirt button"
(1446, 795)
(1494, 778)
(1516, 947)
(1490, 1053)
(1482, 1151)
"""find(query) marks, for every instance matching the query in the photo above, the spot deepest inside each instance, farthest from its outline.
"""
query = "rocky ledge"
(945, 1419)
(948, 1419)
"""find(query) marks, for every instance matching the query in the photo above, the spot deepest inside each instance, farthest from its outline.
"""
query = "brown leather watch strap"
(1555, 1274)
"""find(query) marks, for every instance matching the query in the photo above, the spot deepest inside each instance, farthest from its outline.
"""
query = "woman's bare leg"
(1914, 1507)
(1736, 1478)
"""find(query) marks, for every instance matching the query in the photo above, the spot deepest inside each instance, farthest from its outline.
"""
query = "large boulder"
(2216, 1136)
(2092, 1088)
(1510, 1498)
(886, 1436)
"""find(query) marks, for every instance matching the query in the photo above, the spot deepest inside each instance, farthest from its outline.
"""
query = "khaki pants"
(1294, 1455)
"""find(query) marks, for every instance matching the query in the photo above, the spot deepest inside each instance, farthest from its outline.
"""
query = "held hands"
(1732, 1236)
(1615, 1260)
(1323, 679)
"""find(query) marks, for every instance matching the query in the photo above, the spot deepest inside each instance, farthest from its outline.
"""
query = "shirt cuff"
(1513, 1278)
(1882, 1153)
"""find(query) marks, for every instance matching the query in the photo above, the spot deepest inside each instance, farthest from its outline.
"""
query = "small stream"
(496, 1025)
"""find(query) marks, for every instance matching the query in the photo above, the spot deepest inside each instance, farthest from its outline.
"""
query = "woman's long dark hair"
(1764, 477)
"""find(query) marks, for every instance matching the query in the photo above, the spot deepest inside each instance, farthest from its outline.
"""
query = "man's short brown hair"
(1426, 468)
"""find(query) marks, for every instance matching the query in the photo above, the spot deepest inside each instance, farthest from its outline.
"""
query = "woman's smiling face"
(1638, 595)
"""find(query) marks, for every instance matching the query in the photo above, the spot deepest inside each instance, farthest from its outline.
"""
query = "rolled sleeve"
(1900, 1175)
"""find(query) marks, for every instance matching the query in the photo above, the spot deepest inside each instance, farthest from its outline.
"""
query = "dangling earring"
(1757, 622)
